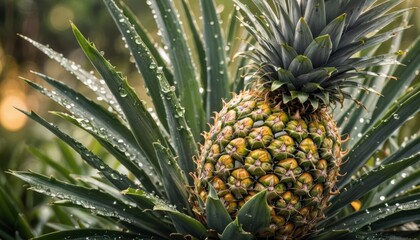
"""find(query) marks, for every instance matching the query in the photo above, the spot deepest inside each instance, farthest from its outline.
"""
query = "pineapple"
(274, 157)
(258, 143)
(280, 136)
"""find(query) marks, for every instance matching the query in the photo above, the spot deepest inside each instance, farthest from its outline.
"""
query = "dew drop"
(123, 92)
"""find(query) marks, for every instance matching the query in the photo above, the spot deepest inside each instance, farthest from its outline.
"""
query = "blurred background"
(47, 22)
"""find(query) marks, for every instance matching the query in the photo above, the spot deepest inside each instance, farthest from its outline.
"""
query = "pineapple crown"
(305, 51)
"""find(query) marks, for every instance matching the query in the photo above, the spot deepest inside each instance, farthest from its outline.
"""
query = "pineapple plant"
(276, 163)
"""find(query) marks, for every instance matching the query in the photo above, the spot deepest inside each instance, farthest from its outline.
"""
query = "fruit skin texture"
(256, 144)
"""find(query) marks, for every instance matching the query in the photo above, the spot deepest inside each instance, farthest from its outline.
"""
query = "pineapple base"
(257, 143)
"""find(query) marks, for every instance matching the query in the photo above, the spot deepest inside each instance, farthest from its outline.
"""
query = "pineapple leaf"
(285, 26)
(217, 75)
(217, 216)
(335, 29)
(353, 35)
(96, 85)
(145, 62)
(96, 201)
(235, 231)
(357, 220)
(99, 122)
(149, 182)
(174, 182)
(11, 212)
(231, 31)
(405, 73)
(338, 57)
(362, 150)
(410, 148)
(294, 11)
(353, 9)
(254, 215)
(357, 189)
(377, 11)
(148, 41)
(403, 184)
(303, 36)
(181, 135)
(198, 44)
(319, 50)
(135, 111)
(396, 219)
(184, 73)
(300, 65)
(183, 223)
(116, 178)
(79, 234)
(315, 15)
(288, 53)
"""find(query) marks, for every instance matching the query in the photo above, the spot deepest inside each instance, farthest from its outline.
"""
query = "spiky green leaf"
(217, 216)
(254, 215)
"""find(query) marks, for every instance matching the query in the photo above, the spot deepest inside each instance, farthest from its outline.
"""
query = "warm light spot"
(60, 16)
(357, 205)
(10, 118)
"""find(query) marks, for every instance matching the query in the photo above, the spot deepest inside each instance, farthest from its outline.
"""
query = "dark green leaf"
(143, 58)
(95, 84)
(396, 219)
(319, 50)
(303, 36)
(144, 177)
(216, 215)
(183, 223)
(174, 183)
(135, 111)
(254, 215)
(356, 221)
(395, 117)
(83, 234)
(235, 231)
(148, 41)
(405, 73)
(300, 65)
(100, 123)
(198, 43)
(116, 178)
(335, 29)
(181, 135)
(315, 16)
(357, 189)
(184, 73)
(96, 201)
(217, 76)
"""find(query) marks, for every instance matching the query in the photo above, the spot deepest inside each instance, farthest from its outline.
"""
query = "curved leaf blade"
(355, 190)
(83, 234)
(217, 216)
(235, 231)
(135, 111)
(173, 182)
(184, 73)
(217, 75)
(396, 116)
(145, 61)
(254, 215)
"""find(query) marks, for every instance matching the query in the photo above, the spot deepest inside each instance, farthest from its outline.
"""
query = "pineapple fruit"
(281, 136)
(256, 144)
